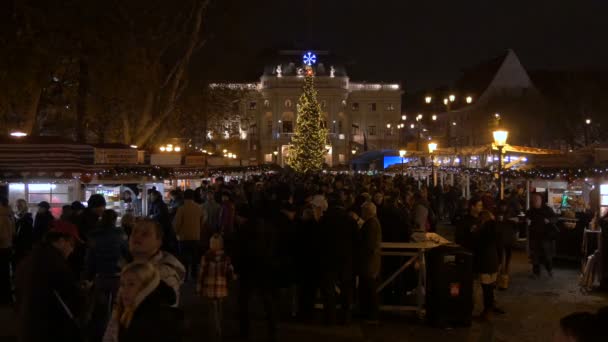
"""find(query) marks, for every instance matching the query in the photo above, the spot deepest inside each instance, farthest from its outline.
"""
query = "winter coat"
(395, 224)
(463, 233)
(256, 260)
(485, 251)
(227, 217)
(153, 320)
(42, 278)
(539, 229)
(172, 272)
(216, 269)
(107, 247)
(7, 227)
(370, 248)
(212, 215)
(24, 230)
(159, 212)
(189, 221)
(87, 222)
(42, 224)
(338, 240)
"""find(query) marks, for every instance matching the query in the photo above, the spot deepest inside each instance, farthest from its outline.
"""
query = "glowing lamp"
(452, 98)
(163, 149)
(500, 137)
(402, 153)
(469, 99)
(428, 99)
(18, 134)
(432, 147)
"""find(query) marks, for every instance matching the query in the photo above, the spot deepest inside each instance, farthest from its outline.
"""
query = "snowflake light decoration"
(309, 58)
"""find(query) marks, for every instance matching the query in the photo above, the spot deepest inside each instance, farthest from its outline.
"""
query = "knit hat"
(96, 201)
(44, 204)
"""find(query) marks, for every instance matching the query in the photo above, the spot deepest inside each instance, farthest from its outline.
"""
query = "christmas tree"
(307, 151)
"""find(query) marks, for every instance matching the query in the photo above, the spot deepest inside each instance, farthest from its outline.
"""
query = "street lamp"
(500, 140)
(452, 98)
(469, 99)
(403, 117)
(434, 117)
(428, 99)
(388, 125)
(402, 154)
(445, 101)
(353, 151)
(432, 147)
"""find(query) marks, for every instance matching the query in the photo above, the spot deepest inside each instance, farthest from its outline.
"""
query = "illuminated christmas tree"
(307, 151)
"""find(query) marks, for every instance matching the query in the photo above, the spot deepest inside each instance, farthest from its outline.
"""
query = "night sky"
(419, 43)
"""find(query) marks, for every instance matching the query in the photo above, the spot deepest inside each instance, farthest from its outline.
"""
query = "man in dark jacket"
(107, 247)
(42, 223)
(256, 264)
(159, 212)
(370, 262)
(48, 301)
(470, 222)
(340, 236)
(542, 237)
(24, 230)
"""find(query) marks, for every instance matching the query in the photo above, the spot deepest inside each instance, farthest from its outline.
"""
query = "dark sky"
(419, 43)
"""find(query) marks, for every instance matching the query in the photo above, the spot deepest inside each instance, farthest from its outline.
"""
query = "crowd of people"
(81, 276)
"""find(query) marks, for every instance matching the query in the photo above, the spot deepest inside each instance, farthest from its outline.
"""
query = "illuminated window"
(390, 107)
(288, 104)
(266, 103)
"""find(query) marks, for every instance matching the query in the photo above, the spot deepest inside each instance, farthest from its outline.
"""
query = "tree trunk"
(81, 99)
(178, 82)
(29, 125)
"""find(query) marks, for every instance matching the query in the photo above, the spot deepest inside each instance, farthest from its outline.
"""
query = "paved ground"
(533, 310)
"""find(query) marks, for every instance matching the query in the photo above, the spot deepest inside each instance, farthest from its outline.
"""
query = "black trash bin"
(449, 295)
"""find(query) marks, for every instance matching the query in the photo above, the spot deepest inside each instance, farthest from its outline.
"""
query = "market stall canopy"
(38, 154)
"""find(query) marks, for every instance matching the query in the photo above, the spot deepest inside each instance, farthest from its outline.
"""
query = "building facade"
(358, 116)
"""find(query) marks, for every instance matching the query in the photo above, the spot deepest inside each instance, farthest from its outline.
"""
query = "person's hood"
(168, 259)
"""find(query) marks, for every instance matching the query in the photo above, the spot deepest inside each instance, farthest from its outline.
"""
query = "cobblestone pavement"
(533, 309)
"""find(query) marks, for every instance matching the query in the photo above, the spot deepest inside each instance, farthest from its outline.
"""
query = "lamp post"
(432, 147)
(275, 153)
(402, 155)
(587, 123)
(500, 140)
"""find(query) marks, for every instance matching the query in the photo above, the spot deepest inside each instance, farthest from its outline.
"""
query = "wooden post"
(528, 185)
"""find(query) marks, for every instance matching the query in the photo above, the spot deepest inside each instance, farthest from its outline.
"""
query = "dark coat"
(155, 320)
(42, 224)
(42, 276)
(338, 239)
(370, 248)
(485, 250)
(395, 223)
(24, 238)
(107, 246)
(256, 260)
(462, 234)
(160, 213)
(87, 222)
(539, 229)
